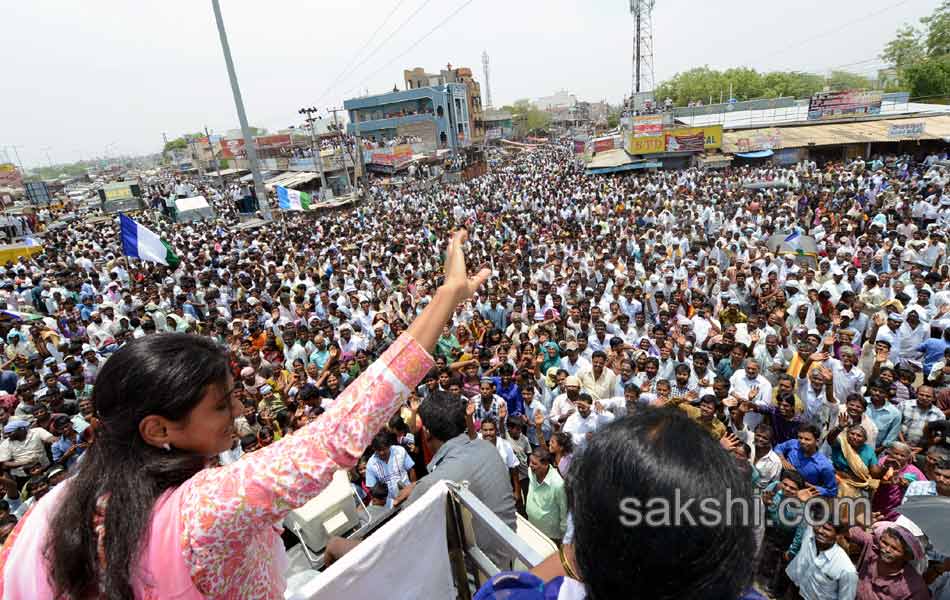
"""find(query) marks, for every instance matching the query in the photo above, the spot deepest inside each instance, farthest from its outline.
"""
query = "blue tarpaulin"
(756, 154)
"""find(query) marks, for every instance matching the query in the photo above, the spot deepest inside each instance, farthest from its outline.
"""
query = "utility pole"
(165, 140)
(249, 146)
(214, 157)
(314, 149)
(359, 149)
(339, 132)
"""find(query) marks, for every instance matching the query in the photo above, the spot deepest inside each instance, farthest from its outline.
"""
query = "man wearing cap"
(69, 446)
(23, 446)
(573, 363)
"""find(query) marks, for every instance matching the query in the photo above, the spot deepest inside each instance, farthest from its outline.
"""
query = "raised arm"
(259, 490)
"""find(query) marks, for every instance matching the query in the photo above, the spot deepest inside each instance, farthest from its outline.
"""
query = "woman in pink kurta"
(211, 532)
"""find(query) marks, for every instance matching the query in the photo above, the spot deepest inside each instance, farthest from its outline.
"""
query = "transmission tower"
(642, 12)
(488, 104)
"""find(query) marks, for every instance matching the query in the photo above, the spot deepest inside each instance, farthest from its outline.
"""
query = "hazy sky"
(86, 77)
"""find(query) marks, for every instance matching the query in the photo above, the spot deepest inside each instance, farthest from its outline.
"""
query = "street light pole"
(242, 117)
(314, 149)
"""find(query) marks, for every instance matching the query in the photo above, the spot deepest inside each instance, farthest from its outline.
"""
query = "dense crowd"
(824, 368)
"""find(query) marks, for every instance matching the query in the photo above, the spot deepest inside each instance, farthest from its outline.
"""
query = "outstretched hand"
(457, 280)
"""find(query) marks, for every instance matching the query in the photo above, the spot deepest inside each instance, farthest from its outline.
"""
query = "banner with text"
(906, 130)
(763, 139)
(647, 125)
(683, 139)
(840, 105)
(395, 157)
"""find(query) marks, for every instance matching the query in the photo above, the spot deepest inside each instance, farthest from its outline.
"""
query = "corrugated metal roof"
(795, 114)
(290, 179)
(829, 134)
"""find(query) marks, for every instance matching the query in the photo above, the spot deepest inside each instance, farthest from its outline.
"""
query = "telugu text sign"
(712, 138)
(906, 130)
(647, 125)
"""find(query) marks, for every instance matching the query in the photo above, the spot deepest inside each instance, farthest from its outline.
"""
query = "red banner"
(272, 141)
(232, 148)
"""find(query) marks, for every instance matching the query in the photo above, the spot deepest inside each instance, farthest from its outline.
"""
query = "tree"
(905, 49)
(175, 144)
(937, 26)
(703, 83)
(843, 80)
(920, 56)
(526, 117)
(929, 77)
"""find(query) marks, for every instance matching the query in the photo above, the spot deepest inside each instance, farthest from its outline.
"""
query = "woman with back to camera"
(144, 518)
(621, 548)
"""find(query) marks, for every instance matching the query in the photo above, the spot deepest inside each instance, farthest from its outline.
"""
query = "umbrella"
(932, 515)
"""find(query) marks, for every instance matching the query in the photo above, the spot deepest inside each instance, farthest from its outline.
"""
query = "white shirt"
(32, 449)
(740, 384)
(574, 368)
(829, 575)
(505, 451)
(578, 427)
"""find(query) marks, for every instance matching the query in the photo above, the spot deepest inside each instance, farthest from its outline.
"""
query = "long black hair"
(162, 374)
(645, 463)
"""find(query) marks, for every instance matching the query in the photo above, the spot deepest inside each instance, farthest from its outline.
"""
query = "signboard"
(37, 193)
(906, 130)
(10, 175)
(272, 141)
(233, 148)
(603, 144)
(687, 142)
(763, 139)
(840, 105)
(493, 134)
(685, 139)
(395, 157)
(647, 125)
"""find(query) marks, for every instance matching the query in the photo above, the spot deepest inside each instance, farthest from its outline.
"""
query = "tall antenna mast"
(488, 103)
(642, 76)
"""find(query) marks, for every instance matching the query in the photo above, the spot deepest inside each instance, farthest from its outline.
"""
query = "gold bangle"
(566, 565)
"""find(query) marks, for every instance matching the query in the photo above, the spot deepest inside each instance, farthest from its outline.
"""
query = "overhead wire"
(365, 45)
(376, 49)
(418, 41)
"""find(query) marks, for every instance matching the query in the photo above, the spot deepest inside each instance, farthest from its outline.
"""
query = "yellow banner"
(656, 144)
(118, 193)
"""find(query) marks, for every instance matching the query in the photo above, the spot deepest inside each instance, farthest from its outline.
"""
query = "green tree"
(937, 27)
(175, 144)
(929, 78)
(527, 118)
(905, 49)
(843, 80)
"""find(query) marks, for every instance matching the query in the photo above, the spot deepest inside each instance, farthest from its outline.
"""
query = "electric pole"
(249, 146)
(314, 148)
(339, 132)
(214, 157)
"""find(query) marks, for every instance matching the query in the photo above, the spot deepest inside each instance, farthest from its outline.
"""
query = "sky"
(108, 77)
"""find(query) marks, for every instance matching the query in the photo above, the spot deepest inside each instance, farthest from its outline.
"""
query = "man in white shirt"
(489, 433)
(24, 446)
(573, 363)
(582, 424)
(598, 380)
(822, 569)
(743, 382)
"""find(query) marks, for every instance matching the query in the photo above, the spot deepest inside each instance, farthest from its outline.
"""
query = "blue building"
(438, 115)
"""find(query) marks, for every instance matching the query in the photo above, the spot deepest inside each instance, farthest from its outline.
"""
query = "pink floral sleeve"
(223, 509)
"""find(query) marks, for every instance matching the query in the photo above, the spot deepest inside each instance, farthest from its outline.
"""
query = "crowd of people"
(824, 372)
